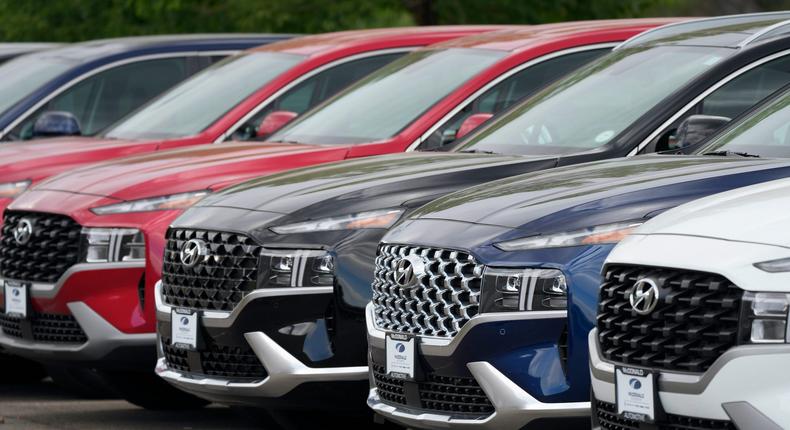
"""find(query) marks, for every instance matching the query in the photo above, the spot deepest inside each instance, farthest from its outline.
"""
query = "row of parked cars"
(574, 220)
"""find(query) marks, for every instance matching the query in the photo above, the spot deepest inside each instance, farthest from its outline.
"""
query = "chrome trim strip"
(701, 96)
(229, 132)
(445, 347)
(692, 21)
(221, 319)
(49, 291)
(285, 372)
(676, 382)
(413, 146)
(103, 68)
(762, 33)
(103, 338)
(514, 407)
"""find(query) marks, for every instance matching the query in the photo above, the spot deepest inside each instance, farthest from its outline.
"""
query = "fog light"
(109, 245)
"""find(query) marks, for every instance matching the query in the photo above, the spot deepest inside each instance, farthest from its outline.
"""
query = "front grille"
(227, 362)
(445, 298)
(217, 284)
(609, 420)
(52, 249)
(445, 394)
(48, 328)
(694, 322)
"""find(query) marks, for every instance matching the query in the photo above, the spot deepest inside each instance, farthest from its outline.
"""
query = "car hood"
(757, 214)
(597, 193)
(188, 169)
(37, 159)
(371, 183)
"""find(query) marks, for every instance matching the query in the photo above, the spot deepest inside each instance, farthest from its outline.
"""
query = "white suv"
(692, 328)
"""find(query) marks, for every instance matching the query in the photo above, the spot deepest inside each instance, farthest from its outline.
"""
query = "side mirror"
(472, 122)
(697, 128)
(56, 123)
(274, 121)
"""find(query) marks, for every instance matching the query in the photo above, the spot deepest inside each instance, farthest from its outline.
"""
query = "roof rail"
(765, 33)
(640, 38)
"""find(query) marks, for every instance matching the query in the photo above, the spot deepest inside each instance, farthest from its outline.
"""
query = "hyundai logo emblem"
(193, 252)
(635, 384)
(23, 231)
(184, 321)
(644, 296)
(408, 271)
(15, 292)
(400, 347)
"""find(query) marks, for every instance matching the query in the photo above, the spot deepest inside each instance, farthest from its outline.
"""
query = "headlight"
(506, 290)
(296, 268)
(161, 203)
(608, 233)
(371, 219)
(764, 317)
(12, 189)
(110, 245)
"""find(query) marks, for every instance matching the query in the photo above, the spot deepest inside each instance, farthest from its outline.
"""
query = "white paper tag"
(16, 299)
(635, 394)
(184, 329)
(400, 356)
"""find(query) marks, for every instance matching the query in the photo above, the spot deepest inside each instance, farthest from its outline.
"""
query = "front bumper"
(739, 387)
(284, 371)
(513, 405)
(103, 313)
(105, 347)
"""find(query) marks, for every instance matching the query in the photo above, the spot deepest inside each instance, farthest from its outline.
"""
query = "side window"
(315, 90)
(104, 98)
(507, 93)
(731, 99)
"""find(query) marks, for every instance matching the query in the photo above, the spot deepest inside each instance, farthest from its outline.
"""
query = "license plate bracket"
(636, 394)
(17, 299)
(401, 356)
(185, 329)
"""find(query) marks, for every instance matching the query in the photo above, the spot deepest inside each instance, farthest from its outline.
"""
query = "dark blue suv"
(101, 81)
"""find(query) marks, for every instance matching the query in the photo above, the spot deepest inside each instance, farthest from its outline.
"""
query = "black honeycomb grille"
(217, 283)
(445, 394)
(48, 328)
(228, 362)
(694, 322)
(52, 249)
(608, 419)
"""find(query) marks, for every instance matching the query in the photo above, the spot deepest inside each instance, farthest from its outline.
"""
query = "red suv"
(241, 98)
(96, 235)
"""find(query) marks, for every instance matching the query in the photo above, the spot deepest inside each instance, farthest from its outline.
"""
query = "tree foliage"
(74, 20)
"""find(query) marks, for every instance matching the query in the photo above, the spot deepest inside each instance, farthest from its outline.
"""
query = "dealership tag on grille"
(16, 302)
(400, 356)
(635, 393)
(184, 327)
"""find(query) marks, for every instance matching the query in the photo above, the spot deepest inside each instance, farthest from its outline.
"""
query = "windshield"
(386, 102)
(198, 102)
(766, 133)
(24, 75)
(590, 107)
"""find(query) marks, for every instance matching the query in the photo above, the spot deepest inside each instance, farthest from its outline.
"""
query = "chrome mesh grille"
(445, 297)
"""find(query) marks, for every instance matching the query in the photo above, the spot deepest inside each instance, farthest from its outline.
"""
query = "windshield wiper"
(477, 151)
(725, 153)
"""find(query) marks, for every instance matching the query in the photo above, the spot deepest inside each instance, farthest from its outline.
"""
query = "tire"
(83, 382)
(148, 391)
(17, 370)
